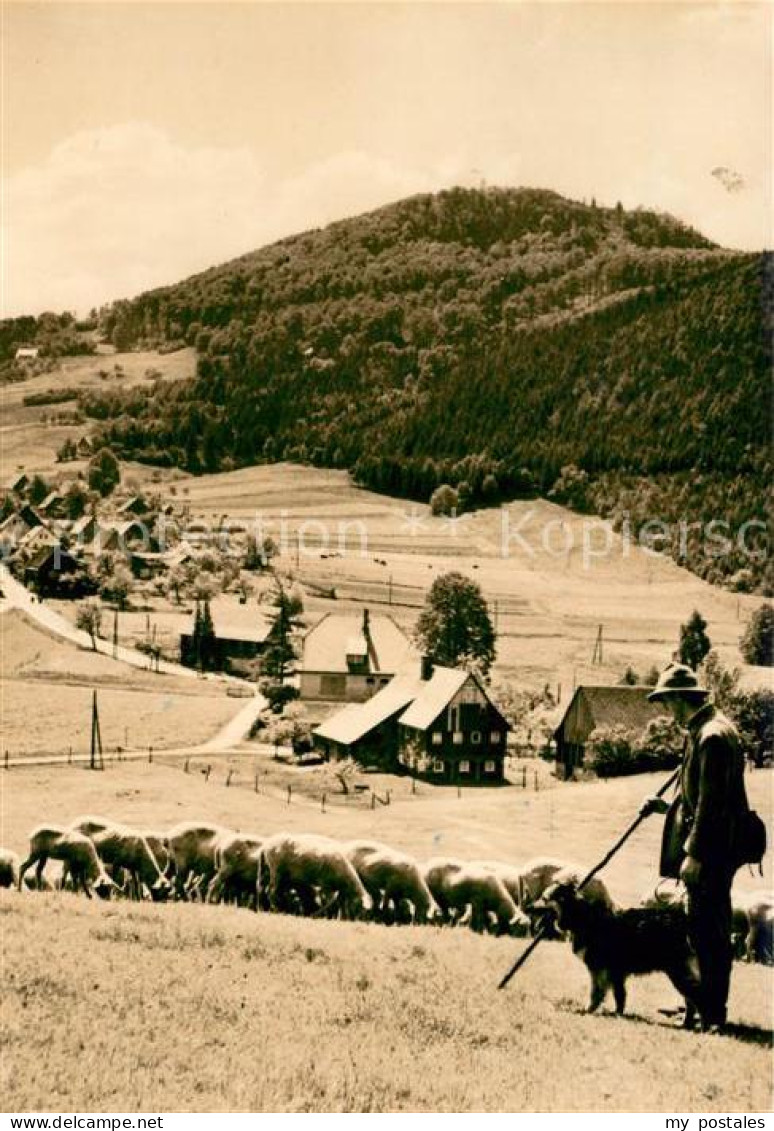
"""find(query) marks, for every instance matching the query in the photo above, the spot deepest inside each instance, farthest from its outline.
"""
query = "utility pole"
(115, 635)
(596, 657)
(96, 761)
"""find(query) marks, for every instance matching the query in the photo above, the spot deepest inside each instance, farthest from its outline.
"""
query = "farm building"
(19, 484)
(16, 526)
(134, 506)
(83, 448)
(53, 571)
(439, 724)
(54, 505)
(592, 707)
(234, 640)
(349, 658)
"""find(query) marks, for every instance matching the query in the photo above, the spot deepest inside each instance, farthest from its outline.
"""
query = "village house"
(349, 657)
(53, 571)
(235, 640)
(83, 448)
(134, 506)
(593, 707)
(19, 484)
(439, 724)
(16, 526)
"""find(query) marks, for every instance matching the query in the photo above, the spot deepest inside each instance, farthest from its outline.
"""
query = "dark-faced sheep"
(394, 881)
(312, 872)
(236, 878)
(77, 853)
(193, 846)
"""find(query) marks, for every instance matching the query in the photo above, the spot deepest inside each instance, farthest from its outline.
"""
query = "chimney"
(427, 668)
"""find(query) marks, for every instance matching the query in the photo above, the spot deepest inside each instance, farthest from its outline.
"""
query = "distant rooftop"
(327, 645)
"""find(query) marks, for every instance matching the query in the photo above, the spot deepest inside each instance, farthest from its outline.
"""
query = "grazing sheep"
(438, 873)
(472, 893)
(754, 915)
(77, 853)
(510, 874)
(312, 870)
(9, 868)
(236, 879)
(125, 851)
(192, 846)
(394, 881)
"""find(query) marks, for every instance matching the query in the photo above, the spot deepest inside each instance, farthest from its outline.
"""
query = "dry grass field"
(46, 686)
(548, 604)
(30, 441)
(191, 1008)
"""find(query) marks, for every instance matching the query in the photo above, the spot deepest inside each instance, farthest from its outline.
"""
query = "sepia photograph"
(386, 589)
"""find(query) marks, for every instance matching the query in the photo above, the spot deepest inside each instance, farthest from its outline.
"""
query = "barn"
(600, 706)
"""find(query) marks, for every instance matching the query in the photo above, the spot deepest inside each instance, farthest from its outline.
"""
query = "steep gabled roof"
(326, 645)
(619, 705)
(434, 696)
(355, 721)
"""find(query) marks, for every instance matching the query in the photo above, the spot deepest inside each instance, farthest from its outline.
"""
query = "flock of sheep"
(308, 874)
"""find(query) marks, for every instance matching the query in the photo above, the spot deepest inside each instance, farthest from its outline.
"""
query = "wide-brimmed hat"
(677, 679)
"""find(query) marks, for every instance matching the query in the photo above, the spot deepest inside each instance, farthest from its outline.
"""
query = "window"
(490, 766)
(437, 738)
(438, 766)
(464, 766)
(457, 738)
(475, 737)
(495, 736)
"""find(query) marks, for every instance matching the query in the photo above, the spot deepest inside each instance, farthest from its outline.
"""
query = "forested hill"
(484, 338)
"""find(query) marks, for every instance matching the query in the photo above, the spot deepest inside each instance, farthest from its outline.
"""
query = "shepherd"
(699, 842)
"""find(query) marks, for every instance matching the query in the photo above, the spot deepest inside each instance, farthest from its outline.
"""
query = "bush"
(444, 501)
(757, 643)
(660, 746)
(610, 752)
(278, 694)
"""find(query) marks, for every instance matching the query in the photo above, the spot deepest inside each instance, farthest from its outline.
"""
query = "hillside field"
(548, 605)
(215, 1009)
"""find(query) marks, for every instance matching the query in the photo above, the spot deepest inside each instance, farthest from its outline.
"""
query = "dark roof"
(619, 705)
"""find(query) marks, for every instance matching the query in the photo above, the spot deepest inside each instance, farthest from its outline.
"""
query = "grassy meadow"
(191, 1008)
(46, 686)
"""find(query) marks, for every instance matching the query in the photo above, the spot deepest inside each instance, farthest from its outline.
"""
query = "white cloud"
(114, 211)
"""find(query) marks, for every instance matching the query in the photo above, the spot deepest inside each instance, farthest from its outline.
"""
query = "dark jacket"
(703, 820)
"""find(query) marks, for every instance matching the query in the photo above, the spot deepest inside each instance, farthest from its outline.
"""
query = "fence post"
(387, 802)
(70, 756)
(537, 783)
(413, 785)
(459, 790)
(186, 765)
(290, 793)
(150, 753)
(228, 777)
(5, 758)
(322, 806)
(373, 800)
(255, 786)
(523, 777)
(207, 773)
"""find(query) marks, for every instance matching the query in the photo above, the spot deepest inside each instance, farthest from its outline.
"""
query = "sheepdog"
(614, 945)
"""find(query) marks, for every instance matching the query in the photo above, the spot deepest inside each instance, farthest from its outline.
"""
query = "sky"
(142, 142)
